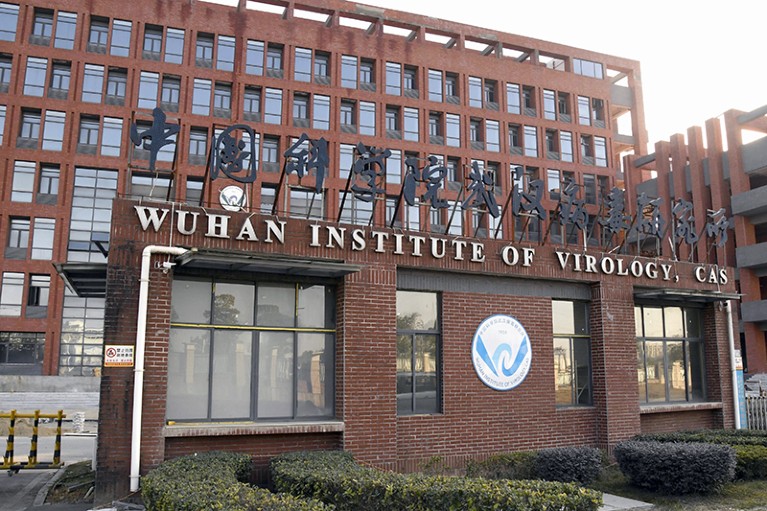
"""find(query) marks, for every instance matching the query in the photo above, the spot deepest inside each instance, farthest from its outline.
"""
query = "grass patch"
(75, 485)
(739, 495)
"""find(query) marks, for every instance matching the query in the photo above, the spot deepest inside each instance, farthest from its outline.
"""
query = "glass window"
(274, 60)
(572, 353)
(204, 50)
(587, 68)
(201, 97)
(367, 74)
(280, 373)
(600, 151)
(411, 124)
(34, 81)
(66, 25)
(252, 104)
(30, 127)
(194, 191)
(198, 145)
(98, 35)
(531, 141)
(5, 73)
(566, 146)
(91, 212)
(368, 118)
(549, 105)
(23, 349)
(11, 294)
(394, 167)
(18, 235)
(149, 187)
(42, 238)
(300, 107)
(584, 112)
(590, 188)
(394, 78)
(475, 91)
(348, 71)
(254, 58)
(435, 85)
(174, 46)
(9, 18)
(513, 101)
(120, 38)
(49, 181)
(492, 135)
(89, 135)
(93, 83)
(171, 93)
(225, 53)
(321, 67)
(117, 81)
(273, 106)
(451, 87)
(53, 131)
(303, 65)
(347, 113)
(670, 357)
(38, 292)
(2, 123)
(148, 88)
(42, 27)
(112, 136)
(418, 353)
(306, 204)
(60, 78)
(453, 130)
(152, 42)
(222, 100)
(321, 111)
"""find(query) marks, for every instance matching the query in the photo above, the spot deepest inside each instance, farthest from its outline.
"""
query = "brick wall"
(475, 422)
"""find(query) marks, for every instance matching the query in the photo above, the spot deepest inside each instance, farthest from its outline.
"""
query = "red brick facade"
(475, 420)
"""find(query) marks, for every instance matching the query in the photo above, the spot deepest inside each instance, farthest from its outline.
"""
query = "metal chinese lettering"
(368, 171)
(616, 219)
(572, 211)
(229, 155)
(481, 188)
(155, 137)
(684, 228)
(532, 201)
(716, 228)
(651, 223)
(307, 154)
(433, 174)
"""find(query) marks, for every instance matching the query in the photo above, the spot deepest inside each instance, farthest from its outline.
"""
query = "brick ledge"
(680, 407)
(251, 428)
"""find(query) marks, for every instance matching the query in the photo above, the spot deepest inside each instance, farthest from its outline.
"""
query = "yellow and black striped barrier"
(31, 463)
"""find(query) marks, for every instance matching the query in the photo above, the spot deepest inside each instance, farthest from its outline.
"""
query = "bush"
(569, 464)
(335, 478)
(751, 461)
(213, 481)
(750, 447)
(514, 465)
(676, 468)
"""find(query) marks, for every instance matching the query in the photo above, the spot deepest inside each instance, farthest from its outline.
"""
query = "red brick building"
(460, 228)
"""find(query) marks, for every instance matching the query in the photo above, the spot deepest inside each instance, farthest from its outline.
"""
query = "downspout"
(733, 366)
(138, 371)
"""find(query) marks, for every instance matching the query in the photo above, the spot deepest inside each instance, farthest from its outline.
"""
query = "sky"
(699, 58)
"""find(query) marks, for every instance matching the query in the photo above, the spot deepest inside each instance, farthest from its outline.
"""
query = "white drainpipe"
(138, 371)
(733, 367)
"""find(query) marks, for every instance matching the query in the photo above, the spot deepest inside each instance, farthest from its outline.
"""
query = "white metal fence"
(756, 408)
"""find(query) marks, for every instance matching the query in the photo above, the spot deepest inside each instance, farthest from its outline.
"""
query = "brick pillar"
(367, 355)
(613, 355)
(717, 352)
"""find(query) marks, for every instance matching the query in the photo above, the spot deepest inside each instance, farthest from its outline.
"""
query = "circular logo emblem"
(232, 198)
(111, 352)
(501, 352)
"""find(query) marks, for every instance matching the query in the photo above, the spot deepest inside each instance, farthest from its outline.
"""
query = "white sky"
(699, 58)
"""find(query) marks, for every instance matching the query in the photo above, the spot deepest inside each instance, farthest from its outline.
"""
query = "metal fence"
(756, 408)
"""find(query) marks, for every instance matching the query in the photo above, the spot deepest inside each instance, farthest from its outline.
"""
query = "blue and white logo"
(501, 352)
(233, 198)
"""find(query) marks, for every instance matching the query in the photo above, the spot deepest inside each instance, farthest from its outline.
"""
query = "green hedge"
(334, 477)
(513, 465)
(564, 464)
(750, 447)
(676, 468)
(212, 481)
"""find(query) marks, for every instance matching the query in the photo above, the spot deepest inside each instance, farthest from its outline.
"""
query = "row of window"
(17, 286)
(279, 360)
(22, 349)
(104, 136)
(216, 97)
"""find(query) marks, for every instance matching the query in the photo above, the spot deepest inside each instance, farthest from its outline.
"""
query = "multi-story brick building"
(456, 256)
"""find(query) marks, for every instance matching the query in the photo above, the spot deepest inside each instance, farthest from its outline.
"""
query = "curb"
(43, 493)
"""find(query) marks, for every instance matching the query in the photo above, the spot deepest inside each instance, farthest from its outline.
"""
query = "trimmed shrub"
(335, 478)
(569, 464)
(514, 465)
(676, 468)
(750, 447)
(751, 461)
(212, 480)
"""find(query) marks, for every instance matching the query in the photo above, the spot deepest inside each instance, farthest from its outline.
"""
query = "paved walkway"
(615, 503)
